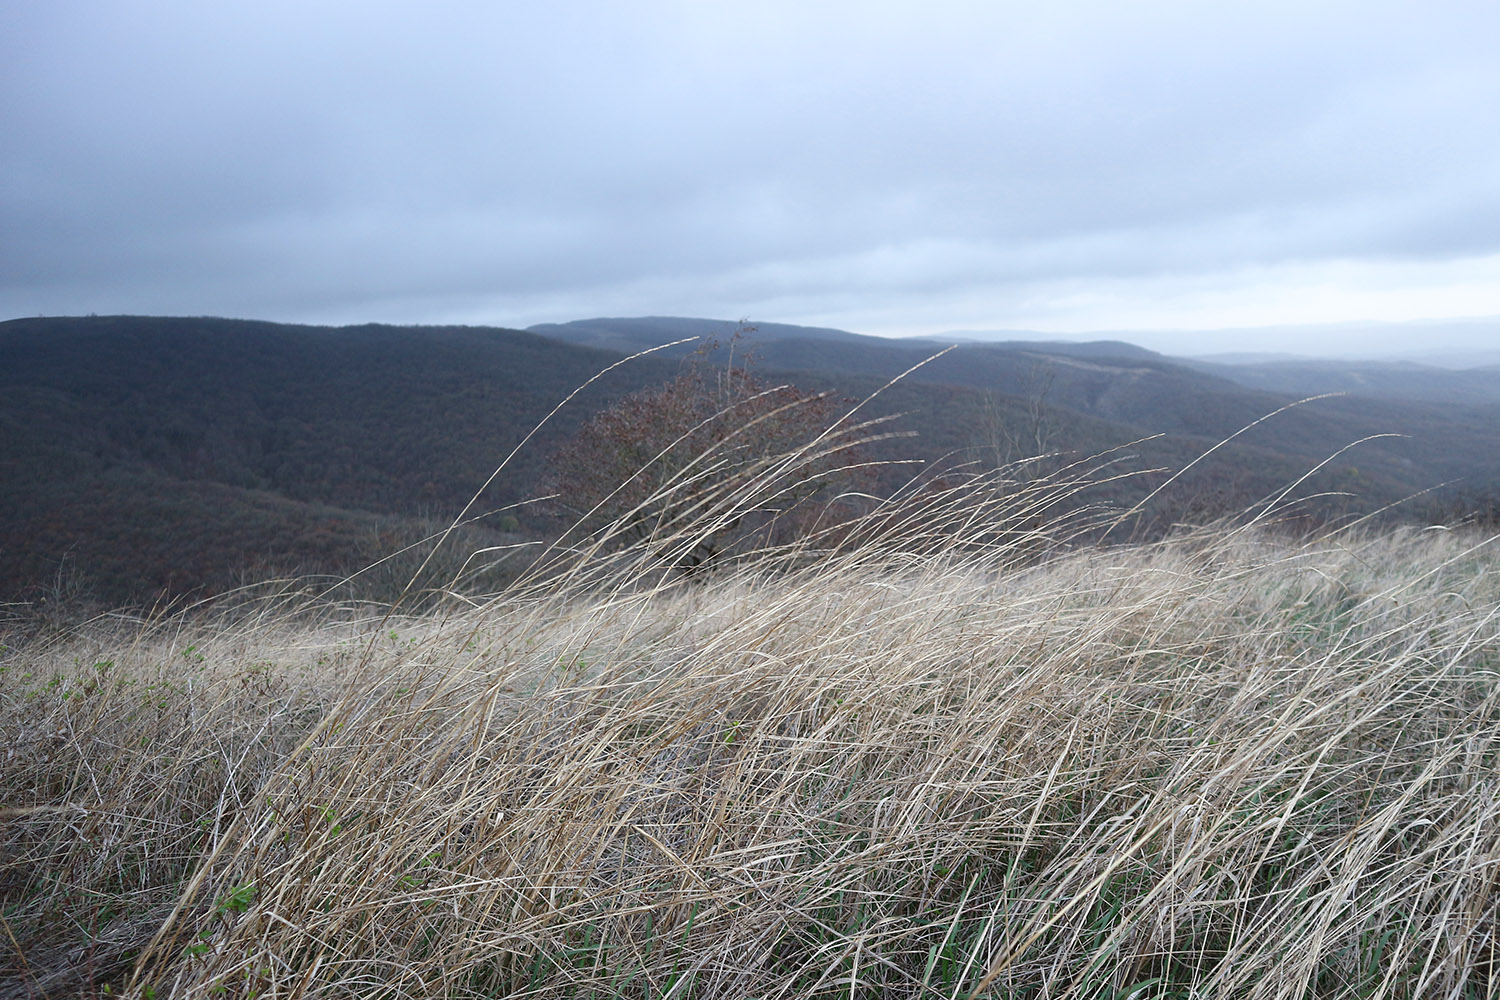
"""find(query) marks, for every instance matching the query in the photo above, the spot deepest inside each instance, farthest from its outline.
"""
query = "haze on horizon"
(887, 168)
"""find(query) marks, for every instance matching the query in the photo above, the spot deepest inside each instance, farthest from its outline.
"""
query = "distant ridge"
(1082, 349)
(641, 332)
(1001, 364)
(1393, 380)
(1111, 346)
(1248, 358)
(1462, 342)
(173, 455)
(632, 334)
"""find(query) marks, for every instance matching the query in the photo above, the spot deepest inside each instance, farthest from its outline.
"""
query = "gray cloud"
(884, 164)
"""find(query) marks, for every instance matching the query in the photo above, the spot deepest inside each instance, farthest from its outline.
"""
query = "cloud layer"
(889, 167)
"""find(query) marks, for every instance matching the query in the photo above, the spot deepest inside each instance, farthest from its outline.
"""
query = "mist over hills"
(148, 456)
(1110, 379)
(1445, 379)
(1408, 380)
(1461, 342)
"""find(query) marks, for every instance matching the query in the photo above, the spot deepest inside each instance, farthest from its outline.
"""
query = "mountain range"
(147, 457)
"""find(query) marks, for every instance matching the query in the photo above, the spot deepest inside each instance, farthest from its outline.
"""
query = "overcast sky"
(892, 168)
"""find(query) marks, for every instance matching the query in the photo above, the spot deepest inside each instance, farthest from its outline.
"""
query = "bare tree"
(712, 458)
(1029, 435)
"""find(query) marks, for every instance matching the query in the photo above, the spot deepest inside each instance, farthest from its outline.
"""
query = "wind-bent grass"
(1227, 765)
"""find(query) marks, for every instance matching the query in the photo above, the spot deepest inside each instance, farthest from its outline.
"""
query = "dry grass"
(1222, 766)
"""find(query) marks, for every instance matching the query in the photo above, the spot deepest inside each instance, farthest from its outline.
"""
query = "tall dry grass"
(921, 763)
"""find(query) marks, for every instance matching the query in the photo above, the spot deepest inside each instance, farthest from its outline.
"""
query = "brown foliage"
(717, 458)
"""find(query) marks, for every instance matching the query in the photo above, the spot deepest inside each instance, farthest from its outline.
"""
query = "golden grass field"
(1228, 764)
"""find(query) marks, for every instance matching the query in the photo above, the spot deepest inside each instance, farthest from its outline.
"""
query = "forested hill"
(146, 456)
(1396, 380)
(151, 454)
(379, 418)
(1143, 392)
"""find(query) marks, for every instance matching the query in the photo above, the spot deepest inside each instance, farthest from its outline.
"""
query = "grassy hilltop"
(929, 764)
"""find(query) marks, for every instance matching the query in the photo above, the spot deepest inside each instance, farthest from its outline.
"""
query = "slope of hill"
(1229, 765)
(631, 334)
(1396, 380)
(164, 455)
(151, 453)
(1143, 393)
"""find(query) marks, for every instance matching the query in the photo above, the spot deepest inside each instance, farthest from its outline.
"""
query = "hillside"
(148, 457)
(1224, 766)
(1392, 380)
(1142, 393)
(165, 454)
